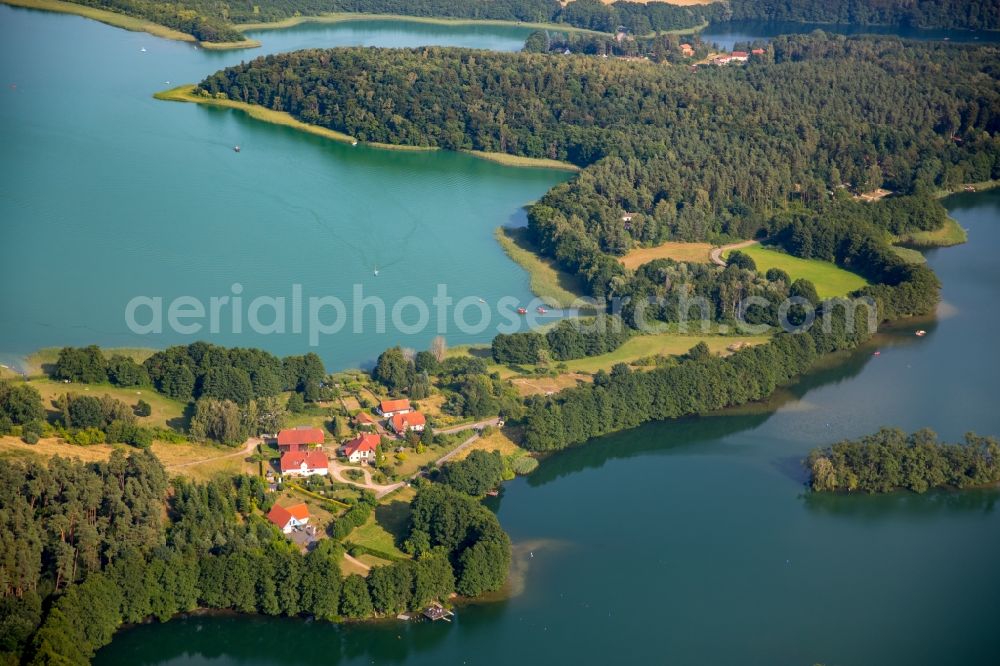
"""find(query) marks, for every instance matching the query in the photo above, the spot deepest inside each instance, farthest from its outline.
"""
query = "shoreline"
(344, 17)
(185, 93)
(125, 22)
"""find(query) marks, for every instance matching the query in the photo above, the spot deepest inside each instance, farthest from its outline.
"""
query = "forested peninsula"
(892, 460)
(221, 23)
(771, 149)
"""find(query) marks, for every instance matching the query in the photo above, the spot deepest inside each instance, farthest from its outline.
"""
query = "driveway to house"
(455, 451)
(246, 451)
(337, 472)
(716, 254)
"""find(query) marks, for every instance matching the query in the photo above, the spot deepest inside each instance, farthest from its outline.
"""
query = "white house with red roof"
(390, 408)
(740, 56)
(361, 448)
(299, 439)
(304, 463)
(287, 518)
(414, 421)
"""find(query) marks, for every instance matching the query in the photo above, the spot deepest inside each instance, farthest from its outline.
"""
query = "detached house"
(390, 408)
(414, 421)
(304, 463)
(288, 518)
(299, 439)
(361, 448)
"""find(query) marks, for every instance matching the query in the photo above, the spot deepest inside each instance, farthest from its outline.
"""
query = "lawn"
(687, 252)
(384, 527)
(554, 286)
(830, 280)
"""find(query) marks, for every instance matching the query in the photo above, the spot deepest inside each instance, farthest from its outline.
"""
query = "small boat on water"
(876, 353)
(522, 311)
(376, 271)
(482, 300)
(354, 143)
(541, 310)
(236, 149)
(921, 333)
(142, 50)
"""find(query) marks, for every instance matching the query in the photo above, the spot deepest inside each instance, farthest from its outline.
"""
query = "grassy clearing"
(830, 280)
(170, 455)
(545, 385)
(186, 94)
(104, 16)
(39, 363)
(949, 234)
(909, 255)
(664, 344)
(382, 529)
(498, 440)
(554, 286)
(166, 412)
(519, 161)
(687, 252)
(958, 189)
(341, 17)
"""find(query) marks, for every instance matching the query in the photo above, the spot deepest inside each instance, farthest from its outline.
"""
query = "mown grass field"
(830, 280)
(687, 252)
(557, 288)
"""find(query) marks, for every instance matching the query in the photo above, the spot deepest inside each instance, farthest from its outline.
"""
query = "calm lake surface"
(727, 34)
(107, 194)
(694, 542)
(688, 542)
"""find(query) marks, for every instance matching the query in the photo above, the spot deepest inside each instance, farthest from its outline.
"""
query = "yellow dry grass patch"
(498, 440)
(544, 385)
(687, 252)
(207, 459)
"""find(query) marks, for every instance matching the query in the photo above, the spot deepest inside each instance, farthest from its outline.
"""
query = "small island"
(891, 460)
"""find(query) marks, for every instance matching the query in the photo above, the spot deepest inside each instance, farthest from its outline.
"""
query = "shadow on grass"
(394, 518)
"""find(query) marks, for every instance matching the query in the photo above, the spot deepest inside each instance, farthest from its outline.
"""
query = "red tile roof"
(758, 52)
(401, 422)
(364, 417)
(740, 54)
(394, 405)
(312, 459)
(280, 515)
(367, 442)
(296, 436)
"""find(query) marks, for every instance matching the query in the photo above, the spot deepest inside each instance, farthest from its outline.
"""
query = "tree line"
(567, 340)
(891, 460)
(658, 142)
(89, 546)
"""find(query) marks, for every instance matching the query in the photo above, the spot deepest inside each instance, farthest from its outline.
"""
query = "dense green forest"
(891, 460)
(87, 547)
(963, 14)
(692, 155)
(216, 20)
